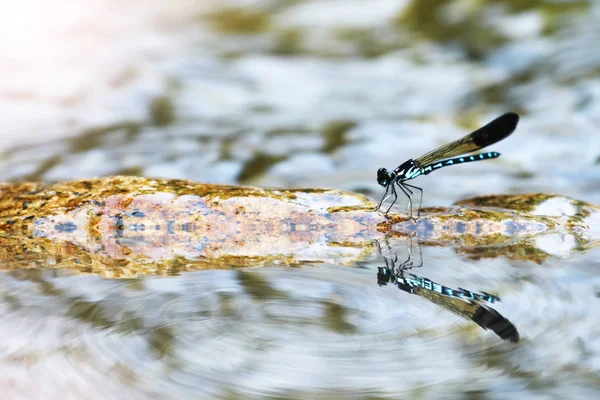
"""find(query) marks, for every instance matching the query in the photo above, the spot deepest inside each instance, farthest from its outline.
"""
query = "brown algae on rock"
(233, 20)
(524, 202)
(122, 226)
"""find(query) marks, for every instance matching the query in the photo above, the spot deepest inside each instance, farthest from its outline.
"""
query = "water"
(310, 332)
(275, 94)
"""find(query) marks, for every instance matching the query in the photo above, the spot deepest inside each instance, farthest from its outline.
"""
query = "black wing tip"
(496, 130)
(510, 119)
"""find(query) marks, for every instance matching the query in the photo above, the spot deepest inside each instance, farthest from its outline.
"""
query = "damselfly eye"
(383, 178)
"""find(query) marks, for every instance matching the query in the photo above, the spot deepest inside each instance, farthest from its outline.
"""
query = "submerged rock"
(123, 226)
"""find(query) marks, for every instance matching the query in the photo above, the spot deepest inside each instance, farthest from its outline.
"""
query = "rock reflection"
(462, 302)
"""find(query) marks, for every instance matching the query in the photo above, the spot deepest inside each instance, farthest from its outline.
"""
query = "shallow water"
(320, 331)
(298, 100)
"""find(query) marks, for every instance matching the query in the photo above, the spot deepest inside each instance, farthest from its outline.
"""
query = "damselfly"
(485, 136)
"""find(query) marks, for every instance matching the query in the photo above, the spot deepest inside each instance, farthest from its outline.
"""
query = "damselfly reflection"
(462, 302)
(485, 136)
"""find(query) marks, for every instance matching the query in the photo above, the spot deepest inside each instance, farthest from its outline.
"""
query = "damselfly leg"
(384, 198)
(390, 191)
(420, 198)
(387, 196)
(395, 197)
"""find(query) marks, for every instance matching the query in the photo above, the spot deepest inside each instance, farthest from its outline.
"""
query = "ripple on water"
(320, 331)
(273, 331)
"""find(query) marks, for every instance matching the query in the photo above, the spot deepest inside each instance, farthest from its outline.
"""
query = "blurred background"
(293, 93)
(297, 93)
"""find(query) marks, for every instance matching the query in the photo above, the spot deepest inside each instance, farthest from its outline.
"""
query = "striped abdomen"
(427, 169)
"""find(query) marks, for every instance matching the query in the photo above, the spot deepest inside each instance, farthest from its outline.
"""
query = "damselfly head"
(384, 178)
